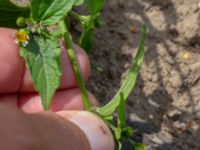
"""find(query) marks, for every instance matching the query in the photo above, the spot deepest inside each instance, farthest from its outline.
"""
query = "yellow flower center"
(21, 36)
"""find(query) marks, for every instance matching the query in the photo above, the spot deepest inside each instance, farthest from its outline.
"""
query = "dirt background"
(165, 104)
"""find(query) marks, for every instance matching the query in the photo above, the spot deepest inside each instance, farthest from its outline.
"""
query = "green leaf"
(50, 11)
(128, 132)
(21, 3)
(98, 21)
(79, 2)
(8, 5)
(119, 145)
(94, 6)
(88, 24)
(95, 20)
(117, 133)
(109, 118)
(9, 13)
(121, 113)
(86, 40)
(130, 80)
(139, 146)
(42, 56)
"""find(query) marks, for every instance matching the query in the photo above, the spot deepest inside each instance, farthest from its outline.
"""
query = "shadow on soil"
(160, 96)
(113, 51)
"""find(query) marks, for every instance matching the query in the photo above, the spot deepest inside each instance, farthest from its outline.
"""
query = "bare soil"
(165, 104)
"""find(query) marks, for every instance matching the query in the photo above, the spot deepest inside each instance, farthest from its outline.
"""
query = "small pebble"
(186, 55)
(172, 113)
(134, 29)
(176, 81)
(180, 125)
(195, 66)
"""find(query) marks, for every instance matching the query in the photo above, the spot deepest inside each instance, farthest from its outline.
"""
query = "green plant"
(41, 50)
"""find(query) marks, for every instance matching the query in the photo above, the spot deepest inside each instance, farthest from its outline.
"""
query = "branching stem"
(75, 66)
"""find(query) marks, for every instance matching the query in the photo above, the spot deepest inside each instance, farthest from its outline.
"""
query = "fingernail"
(97, 132)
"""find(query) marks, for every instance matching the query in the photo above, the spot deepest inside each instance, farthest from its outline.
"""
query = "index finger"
(14, 77)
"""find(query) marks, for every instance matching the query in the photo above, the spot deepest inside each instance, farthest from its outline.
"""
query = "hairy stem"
(75, 15)
(78, 17)
(75, 66)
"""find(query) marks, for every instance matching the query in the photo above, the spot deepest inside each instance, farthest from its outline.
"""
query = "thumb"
(98, 134)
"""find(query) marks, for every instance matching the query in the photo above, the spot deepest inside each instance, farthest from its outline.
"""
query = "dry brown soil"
(165, 104)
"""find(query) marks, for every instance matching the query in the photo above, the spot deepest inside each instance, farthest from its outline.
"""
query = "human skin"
(24, 125)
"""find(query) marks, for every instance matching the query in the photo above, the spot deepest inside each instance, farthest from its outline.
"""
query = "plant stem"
(75, 15)
(78, 17)
(75, 65)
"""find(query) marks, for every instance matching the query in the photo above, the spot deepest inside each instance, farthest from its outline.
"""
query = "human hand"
(35, 129)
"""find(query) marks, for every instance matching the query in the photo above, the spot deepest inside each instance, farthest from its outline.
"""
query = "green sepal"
(128, 132)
